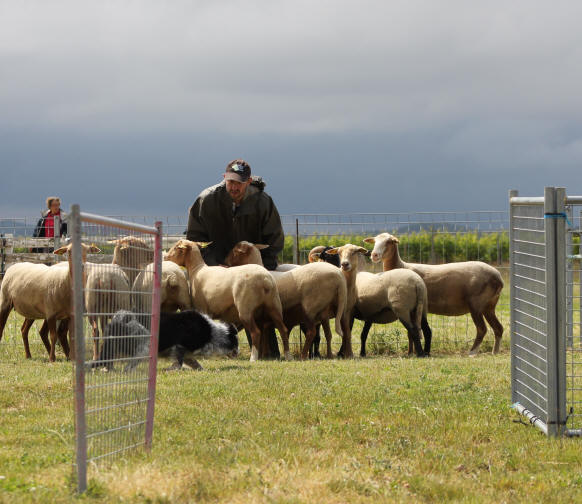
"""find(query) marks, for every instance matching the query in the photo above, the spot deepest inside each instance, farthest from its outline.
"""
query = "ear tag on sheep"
(203, 244)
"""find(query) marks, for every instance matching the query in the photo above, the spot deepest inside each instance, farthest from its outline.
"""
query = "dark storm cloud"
(367, 106)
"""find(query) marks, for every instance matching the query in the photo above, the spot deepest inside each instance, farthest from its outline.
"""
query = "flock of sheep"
(245, 294)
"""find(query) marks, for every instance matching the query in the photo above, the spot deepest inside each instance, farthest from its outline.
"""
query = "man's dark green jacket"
(213, 218)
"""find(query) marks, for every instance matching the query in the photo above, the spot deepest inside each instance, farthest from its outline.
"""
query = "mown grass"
(381, 429)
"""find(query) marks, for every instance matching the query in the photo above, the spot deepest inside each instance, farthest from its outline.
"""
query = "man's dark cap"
(238, 170)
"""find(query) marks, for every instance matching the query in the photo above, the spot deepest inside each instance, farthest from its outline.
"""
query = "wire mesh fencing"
(529, 323)
(116, 317)
(546, 351)
(573, 318)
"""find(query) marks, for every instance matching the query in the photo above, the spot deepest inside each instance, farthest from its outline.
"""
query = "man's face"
(237, 189)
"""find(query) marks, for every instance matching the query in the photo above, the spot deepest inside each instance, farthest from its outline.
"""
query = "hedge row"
(424, 246)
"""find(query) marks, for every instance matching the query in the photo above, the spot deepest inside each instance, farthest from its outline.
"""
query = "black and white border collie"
(181, 335)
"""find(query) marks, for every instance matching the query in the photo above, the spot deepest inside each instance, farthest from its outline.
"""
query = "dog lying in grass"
(181, 335)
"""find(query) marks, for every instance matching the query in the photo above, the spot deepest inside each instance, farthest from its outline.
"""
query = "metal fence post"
(562, 310)
(156, 304)
(296, 243)
(79, 349)
(554, 295)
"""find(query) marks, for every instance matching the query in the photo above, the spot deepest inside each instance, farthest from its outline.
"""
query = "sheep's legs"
(62, 331)
(364, 337)
(479, 322)
(95, 332)
(253, 329)
(62, 328)
(43, 333)
(52, 326)
(414, 336)
(427, 332)
(309, 335)
(328, 336)
(249, 339)
(4, 312)
(346, 349)
(497, 328)
(275, 316)
(26, 325)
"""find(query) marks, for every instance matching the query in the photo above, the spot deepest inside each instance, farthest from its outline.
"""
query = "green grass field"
(387, 428)
(381, 429)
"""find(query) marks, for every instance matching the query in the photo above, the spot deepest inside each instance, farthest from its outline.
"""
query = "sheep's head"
(385, 246)
(321, 253)
(183, 250)
(132, 252)
(348, 256)
(85, 249)
(245, 252)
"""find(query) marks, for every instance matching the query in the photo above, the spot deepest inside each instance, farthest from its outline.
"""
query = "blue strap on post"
(560, 215)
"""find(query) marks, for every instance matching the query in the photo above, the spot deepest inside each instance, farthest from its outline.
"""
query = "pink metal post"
(79, 345)
(154, 337)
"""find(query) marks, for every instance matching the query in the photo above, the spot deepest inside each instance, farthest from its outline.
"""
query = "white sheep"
(132, 254)
(453, 289)
(238, 295)
(174, 291)
(310, 294)
(107, 290)
(37, 291)
(386, 297)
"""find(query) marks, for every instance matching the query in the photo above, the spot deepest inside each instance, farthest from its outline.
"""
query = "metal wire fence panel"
(116, 322)
(529, 309)
(573, 331)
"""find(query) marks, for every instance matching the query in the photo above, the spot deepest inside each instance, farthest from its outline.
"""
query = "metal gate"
(546, 364)
(115, 334)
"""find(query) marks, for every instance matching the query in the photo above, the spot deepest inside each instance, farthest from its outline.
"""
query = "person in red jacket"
(52, 223)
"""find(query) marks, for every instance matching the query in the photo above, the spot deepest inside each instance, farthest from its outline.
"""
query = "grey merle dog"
(181, 335)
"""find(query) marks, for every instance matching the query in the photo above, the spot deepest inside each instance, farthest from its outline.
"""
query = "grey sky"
(135, 107)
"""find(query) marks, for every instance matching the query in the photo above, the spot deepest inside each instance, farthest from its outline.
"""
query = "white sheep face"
(384, 246)
(348, 255)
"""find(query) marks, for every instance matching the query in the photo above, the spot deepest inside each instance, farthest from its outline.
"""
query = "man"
(236, 209)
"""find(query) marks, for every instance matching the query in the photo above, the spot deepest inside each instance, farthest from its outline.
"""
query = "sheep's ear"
(315, 257)
(369, 240)
(334, 251)
(393, 239)
(94, 249)
(261, 246)
(61, 250)
(361, 250)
